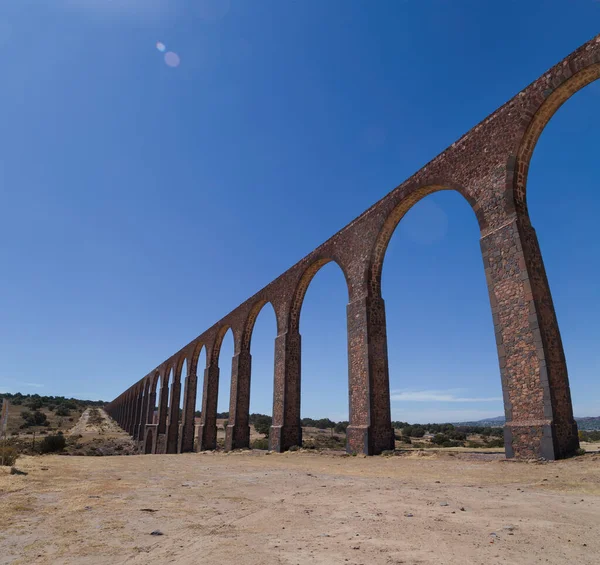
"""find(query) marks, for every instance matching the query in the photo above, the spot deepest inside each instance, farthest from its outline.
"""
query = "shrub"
(262, 424)
(496, 442)
(10, 454)
(590, 436)
(452, 443)
(294, 448)
(52, 444)
(341, 427)
(62, 410)
(33, 418)
(35, 403)
(399, 425)
(439, 439)
(324, 424)
(260, 443)
(414, 431)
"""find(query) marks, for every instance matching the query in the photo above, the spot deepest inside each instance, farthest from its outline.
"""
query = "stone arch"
(168, 374)
(179, 366)
(159, 377)
(196, 352)
(302, 287)
(155, 378)
(391, 223)
(216, 348)
(518, 166)
(251, 321)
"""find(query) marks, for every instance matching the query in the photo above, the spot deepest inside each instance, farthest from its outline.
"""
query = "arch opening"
(538, 123)
(262, 331)
(561, 168)
(442, 355)
(155, 388)
(393, 220)
(182, 376)
(224, 352)
(324, 400)
(200, 364)
(303, 285)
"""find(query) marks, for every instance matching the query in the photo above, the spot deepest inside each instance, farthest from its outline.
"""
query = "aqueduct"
(488, 166)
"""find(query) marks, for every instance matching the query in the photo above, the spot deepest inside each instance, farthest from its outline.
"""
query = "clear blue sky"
(142, 202)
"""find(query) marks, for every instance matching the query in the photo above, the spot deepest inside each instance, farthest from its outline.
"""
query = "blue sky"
(142, 202)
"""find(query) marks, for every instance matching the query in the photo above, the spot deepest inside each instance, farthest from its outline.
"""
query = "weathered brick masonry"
(488, 166)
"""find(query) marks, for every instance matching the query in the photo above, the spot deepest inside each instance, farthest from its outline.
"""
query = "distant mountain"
(588, 423)
(496, 422)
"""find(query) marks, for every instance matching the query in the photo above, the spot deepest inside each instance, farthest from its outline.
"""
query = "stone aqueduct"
(489, 167)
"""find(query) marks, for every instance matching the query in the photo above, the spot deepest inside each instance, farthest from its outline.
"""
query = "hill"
(34, 414)
(587, 423)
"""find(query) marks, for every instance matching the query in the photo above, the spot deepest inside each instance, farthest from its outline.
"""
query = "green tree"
(340, 427)
(324, 424)
(62, 410)
(34, 418)
(35, 403)
(262, 424)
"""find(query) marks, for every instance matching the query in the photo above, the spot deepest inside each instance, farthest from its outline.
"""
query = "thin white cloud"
(437, 396)
(14, 384)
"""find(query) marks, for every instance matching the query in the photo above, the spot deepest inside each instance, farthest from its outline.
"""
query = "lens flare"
(172, 59)
(161, 46)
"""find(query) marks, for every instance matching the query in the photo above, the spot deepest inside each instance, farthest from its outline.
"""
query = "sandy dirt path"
(300, 508)
(103, 426)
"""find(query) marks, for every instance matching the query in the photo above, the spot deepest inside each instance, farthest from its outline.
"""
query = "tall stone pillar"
(163, 407)
(186, 441)
(173, 419)
(286, 429)
(150, 407)
(141, 425)
(129, 420)
(207, 431)
(370, 430)
(237, 434)
(137, 416)
(535, 383)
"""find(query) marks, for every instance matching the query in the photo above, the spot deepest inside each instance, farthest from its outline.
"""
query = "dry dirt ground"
(300, 508)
